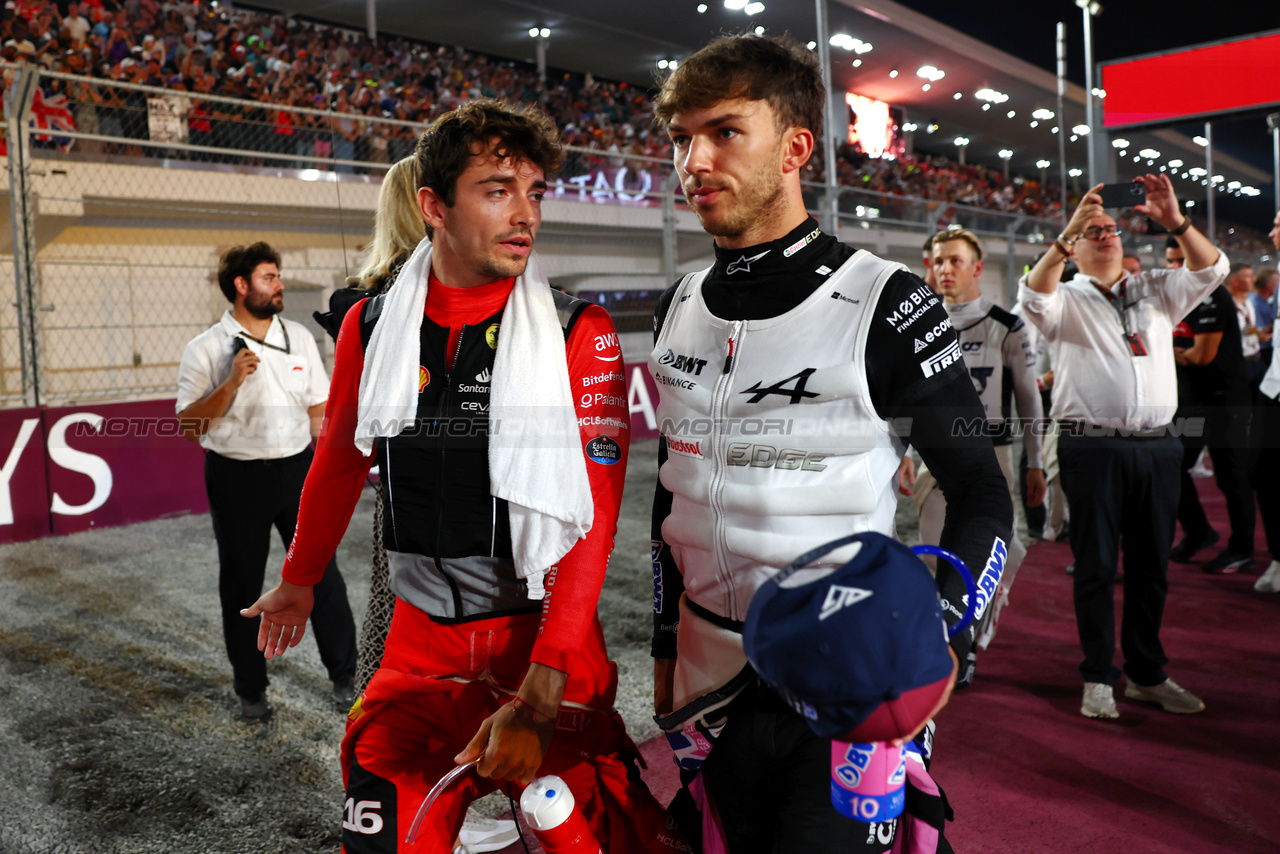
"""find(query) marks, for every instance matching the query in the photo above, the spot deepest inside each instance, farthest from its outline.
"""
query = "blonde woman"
(397, 231)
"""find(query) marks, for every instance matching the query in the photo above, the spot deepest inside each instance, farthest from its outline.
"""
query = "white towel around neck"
(536, 462)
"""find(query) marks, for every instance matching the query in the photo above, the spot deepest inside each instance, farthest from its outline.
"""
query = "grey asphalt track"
(116, 710)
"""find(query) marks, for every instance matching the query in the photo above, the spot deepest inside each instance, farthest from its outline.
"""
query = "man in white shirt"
(1115, 394)
(252, 390)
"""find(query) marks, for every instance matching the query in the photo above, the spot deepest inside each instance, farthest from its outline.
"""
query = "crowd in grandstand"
(364, 86)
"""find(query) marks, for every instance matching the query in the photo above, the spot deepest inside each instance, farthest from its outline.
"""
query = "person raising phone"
(1110, 336)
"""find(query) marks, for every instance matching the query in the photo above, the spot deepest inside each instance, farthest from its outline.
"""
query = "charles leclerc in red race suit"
(442, 675)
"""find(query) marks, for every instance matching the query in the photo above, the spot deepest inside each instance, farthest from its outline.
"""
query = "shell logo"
(424, 378)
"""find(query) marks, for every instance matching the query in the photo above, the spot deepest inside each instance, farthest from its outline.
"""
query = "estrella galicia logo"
(794, 394)
(688, 364)
(604, 451)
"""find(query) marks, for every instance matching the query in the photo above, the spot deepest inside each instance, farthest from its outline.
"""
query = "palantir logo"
(839, 598)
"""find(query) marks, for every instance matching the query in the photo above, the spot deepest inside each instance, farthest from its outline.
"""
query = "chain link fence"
(122, 198)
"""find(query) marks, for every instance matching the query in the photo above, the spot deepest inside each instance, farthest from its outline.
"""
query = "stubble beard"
(759, 202)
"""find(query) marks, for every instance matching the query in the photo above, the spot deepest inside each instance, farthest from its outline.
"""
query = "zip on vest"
(719, 399)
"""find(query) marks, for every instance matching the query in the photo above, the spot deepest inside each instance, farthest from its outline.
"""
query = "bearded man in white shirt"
(1115, 393)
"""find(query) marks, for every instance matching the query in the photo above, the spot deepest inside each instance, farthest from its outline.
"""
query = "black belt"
(276, 461)
(714, 618)
(1085, 429)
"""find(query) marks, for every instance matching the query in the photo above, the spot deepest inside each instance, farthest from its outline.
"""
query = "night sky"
(1126, 28)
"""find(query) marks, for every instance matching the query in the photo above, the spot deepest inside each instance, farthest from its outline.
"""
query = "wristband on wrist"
(1069, 241)
(1057, 244)
(1182, 229)
(517, 702)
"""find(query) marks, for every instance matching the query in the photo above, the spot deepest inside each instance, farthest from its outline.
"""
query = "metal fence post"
(1010, 250)
(670, 259)
(21, 215)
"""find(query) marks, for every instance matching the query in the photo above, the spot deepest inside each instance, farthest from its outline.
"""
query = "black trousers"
(1121, 493)
(1226, 435)
(247, 498)
(1266, 469)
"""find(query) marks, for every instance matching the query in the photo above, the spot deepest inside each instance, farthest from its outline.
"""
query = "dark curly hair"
(242, 261)
(511, 133)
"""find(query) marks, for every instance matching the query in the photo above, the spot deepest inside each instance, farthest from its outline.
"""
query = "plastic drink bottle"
(868, 781)
(549, 809)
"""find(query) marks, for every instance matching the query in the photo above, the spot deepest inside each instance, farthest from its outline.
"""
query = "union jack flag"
(51, 112)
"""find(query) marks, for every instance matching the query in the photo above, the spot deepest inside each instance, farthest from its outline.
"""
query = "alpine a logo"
(839, 598)
(794, 394)
(743, 264)
(942, 361)
(679, 362)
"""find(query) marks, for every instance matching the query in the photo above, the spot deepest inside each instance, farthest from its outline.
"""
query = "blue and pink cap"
(859, 651)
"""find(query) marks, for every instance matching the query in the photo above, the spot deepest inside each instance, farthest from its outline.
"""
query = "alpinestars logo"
(688, 364)
(839, 598)
(794, 395)
(743, 264)
(920, 345)
(483, 376)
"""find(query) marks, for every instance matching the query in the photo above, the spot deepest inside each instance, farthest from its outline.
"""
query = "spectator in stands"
(1240, 282)
(1132, 264)
(1173, 256)
(1115, 395)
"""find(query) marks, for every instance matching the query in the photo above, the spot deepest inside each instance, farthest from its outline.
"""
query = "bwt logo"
(839, 598)
(688, 364)
(989, 583)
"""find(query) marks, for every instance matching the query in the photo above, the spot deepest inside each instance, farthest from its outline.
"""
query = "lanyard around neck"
(283, 330)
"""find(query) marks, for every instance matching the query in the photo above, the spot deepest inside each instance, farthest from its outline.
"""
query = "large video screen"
(874, 127)
(1193, 83)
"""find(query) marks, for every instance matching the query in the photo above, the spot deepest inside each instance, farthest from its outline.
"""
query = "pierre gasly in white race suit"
(790, 386)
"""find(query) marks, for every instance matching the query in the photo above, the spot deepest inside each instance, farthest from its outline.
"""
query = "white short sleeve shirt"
(268, 417)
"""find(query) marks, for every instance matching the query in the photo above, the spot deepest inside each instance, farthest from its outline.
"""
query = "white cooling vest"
(774, 445)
